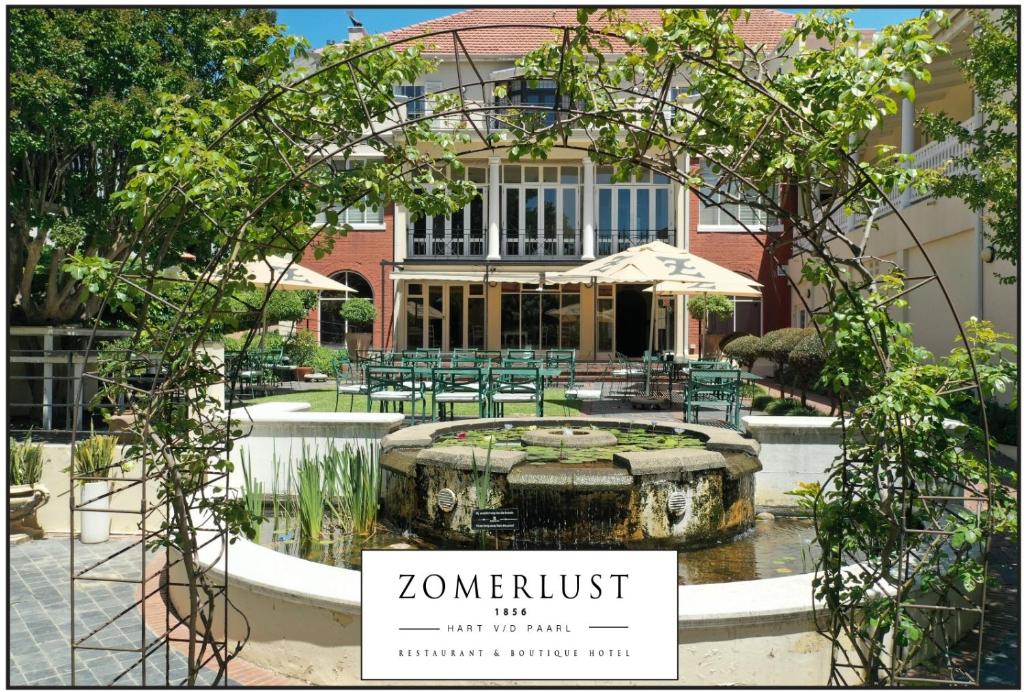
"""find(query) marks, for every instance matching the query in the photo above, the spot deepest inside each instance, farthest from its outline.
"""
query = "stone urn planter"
(358, 342)
(23, 501)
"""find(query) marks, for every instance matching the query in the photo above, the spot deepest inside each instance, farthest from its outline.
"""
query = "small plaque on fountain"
(502, 519)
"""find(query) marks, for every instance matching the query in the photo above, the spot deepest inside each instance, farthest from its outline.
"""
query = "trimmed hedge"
(744, 350)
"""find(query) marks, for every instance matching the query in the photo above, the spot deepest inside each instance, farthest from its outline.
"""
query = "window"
(718, 214)
(632, 212)
(368, 216)
(531, 318)
(533, 93)
(418, 97)
(606, 318)
(461, 234)
(332, 327)
(540, 210)
(745, 318)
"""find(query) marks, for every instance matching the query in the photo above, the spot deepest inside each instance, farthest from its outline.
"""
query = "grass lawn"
(555, 404)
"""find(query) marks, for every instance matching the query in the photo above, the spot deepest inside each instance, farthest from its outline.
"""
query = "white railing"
(930, 156)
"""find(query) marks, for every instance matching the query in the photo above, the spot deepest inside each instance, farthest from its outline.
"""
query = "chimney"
(356, 32)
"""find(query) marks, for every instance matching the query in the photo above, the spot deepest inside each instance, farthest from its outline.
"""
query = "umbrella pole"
(650, 344)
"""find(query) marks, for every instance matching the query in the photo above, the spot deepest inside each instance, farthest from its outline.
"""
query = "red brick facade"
(744, 253)
(362, 251)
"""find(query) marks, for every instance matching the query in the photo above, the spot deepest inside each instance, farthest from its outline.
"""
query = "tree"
(83, 85)
(705, 306)
(987, 174)
(745, 350)
(359, 312)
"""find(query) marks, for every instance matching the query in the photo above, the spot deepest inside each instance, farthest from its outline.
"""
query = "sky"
(321, 24)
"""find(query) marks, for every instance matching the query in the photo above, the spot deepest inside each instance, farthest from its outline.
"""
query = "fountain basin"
(609, 484)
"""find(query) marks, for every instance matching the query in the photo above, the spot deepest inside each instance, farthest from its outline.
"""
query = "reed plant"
(252, 499)
(482, 478)
(24, 462)
(354, 485)
(310, 496)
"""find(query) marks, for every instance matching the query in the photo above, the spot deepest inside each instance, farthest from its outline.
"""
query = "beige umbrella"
(655, 263)
(284, 275)
(277, 272)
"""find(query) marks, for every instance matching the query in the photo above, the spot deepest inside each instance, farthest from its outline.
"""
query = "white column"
(588, 209)
(683, 206)
(48, 379)
(494, 209)
(906, 138)
(401, 226)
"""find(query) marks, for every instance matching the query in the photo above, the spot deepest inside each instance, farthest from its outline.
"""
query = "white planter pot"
(95, 526)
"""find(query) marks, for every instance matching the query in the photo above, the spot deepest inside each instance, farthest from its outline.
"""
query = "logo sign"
(504, 519)
(519, 615)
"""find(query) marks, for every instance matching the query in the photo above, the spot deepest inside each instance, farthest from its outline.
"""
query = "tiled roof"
(764, 27)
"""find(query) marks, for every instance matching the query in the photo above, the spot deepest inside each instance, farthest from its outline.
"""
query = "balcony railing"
(931, 155)
(470, 243)
(530, 245)
(610, 242)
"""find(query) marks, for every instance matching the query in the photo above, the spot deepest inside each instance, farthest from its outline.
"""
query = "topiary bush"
(780, 407)
(359, 312)
(761, 401)
(805, 363)
(744, 350)
(776, 346)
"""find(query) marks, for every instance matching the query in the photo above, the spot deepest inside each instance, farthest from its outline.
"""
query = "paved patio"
(39, 631)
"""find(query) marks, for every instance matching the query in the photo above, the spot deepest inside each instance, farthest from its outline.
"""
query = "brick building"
(476, 279)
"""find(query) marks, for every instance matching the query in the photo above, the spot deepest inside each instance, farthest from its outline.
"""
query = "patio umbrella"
(285, 275)
(655, 263)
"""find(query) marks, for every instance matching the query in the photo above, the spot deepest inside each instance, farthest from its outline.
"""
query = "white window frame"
(732, 226)
(522, 186)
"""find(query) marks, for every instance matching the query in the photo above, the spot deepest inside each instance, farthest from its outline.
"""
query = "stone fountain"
(685, 496)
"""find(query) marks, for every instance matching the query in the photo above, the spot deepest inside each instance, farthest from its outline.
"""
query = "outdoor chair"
(626, 375)
(350, 381)
(519, 354)
(456, 386)
(710, 365)
(463, 358)
(492, 357)
(388, 384)
(244, 370)
(514, 385)
(565, 359)
(713, 389)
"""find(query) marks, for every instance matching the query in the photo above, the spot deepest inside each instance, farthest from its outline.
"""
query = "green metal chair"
(565, 359)
(457, 386)
(389, 384)
(349, 379)
(491, 357)
(714, 389)
(514, 385)
(519, 354)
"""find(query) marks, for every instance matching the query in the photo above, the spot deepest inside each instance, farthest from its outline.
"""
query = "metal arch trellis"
(661, 148)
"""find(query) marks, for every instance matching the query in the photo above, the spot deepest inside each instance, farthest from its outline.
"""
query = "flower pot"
(22, 503)
(95, 525)
(301, 372)
(357, 342)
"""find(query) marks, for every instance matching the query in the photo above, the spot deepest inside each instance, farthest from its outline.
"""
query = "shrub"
(780, 407)
(799, 410)
(761, 401)
(94, 457)
(776, 346)
(302, 349)
(324, 360)
(271, 340)
(24, 462)
(805, 363)
(289, 306)
(359, 312)
(744, 350)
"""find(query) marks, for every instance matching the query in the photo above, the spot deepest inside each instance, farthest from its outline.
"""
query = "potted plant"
(94, 459)
(360, 314)
(302, 351)
(705, 306)
(25, 493)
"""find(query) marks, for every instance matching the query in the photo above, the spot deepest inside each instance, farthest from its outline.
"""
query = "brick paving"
(39, 652)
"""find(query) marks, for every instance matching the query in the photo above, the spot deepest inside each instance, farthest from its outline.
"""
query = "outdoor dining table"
(546, 373)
